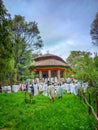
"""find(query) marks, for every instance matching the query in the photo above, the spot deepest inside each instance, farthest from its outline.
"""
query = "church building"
(50, 66)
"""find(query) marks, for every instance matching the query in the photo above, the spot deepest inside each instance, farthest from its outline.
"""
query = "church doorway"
(45, 74)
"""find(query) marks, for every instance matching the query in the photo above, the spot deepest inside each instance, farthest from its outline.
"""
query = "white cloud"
(63, 28)
(70, 42)
(61, 49)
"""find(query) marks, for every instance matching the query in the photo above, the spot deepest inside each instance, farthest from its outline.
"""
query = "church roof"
(49, 60)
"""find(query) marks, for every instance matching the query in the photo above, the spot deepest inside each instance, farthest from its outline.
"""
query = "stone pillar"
(40, 74)
(49, 74)
(58, 75)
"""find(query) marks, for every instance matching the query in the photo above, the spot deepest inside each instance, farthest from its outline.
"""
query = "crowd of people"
(50, 88)
(54, 89)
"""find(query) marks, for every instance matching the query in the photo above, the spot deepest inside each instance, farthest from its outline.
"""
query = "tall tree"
(76, 56)
(27, 40)
(6, 44)
(84, 66)
(94, 31)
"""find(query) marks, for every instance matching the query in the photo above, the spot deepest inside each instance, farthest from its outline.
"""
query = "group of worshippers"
(56, 89)
(50, 89)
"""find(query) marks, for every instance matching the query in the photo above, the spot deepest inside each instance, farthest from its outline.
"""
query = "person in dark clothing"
(0, 88)
(32, 90)
(32, 93)
(48, 82)
(26, 87)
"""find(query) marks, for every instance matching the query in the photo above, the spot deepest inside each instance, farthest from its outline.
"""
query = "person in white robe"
(64, 86)
(60, 91)
(76, 87)
(72, 87)
(35, 89)
(85, 86)
(52, 91)
(40, 86)
(45, 89)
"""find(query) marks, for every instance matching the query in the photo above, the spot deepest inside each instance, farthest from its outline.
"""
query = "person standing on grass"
(26, 88)
(60, 91)
(52, 92)
(35, 89)
(32, 90)
(32, 93)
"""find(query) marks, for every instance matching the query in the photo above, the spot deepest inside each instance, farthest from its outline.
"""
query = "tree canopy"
(94, 31)
(27, 40)
(19, 39)
(6, 44)
(84, 66)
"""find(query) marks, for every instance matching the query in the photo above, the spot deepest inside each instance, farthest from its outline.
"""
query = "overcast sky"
(64, 24)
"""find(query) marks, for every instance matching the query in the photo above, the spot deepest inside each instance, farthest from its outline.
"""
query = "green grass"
(67, 113)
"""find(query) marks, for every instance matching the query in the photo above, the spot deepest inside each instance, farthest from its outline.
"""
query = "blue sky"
(64, 24)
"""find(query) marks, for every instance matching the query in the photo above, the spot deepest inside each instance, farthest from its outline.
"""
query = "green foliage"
(96, 61)
(94, 31)
(66, 75)
(27, 40)
(28, 32)
(6, 44)
(76, 56)
(18, 41)
(43, 114)
(84, 66)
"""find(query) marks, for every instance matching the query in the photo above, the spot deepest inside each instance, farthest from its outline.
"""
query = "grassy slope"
(43, 114)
